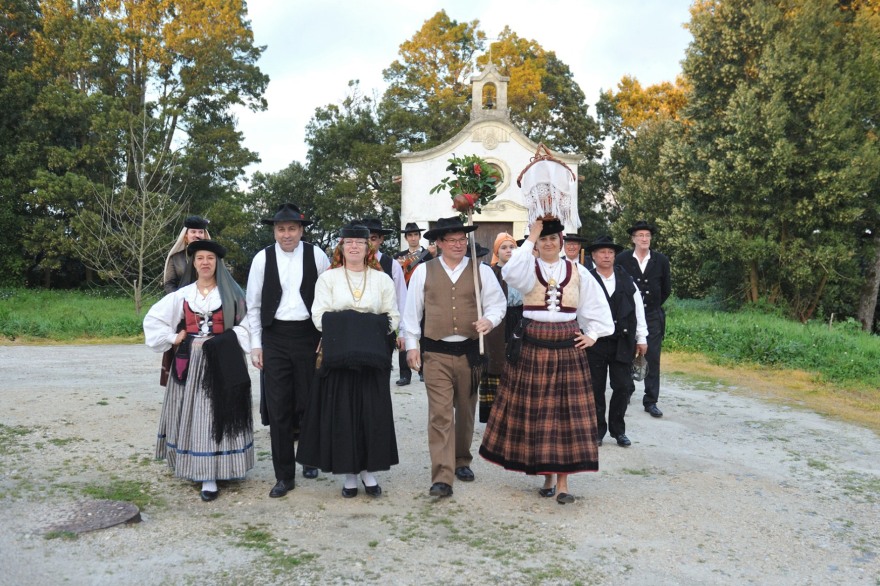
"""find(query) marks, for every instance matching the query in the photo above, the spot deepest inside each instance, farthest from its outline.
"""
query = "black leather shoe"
(440, 489)
(464, 473)
(563, 498)
(209, 495)
(281, 488)
(623, 441)
(654, 410)
(547, 492)
(374, 490)
(349, 493)
(402, 382)
(421, 378)
(310, 472)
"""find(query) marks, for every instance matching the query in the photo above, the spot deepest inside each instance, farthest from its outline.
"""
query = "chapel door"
(487, 232)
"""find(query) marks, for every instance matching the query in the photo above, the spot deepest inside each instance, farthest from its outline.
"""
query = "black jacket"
(655, 284)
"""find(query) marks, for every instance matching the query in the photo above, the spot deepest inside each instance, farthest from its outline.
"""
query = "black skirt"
(348, 425)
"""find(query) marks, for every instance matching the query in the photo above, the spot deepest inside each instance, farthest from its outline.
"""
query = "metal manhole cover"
(92, 515)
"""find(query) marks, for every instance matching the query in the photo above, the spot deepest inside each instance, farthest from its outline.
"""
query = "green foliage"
(136, 493)
(67, 316)
(839, 353)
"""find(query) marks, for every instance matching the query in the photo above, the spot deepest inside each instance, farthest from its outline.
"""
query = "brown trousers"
(452, 404)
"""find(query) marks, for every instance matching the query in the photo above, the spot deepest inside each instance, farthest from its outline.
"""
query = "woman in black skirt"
(348, 425)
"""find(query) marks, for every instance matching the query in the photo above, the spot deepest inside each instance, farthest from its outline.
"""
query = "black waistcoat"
(385, 263)
(271, 296)
(623, 310)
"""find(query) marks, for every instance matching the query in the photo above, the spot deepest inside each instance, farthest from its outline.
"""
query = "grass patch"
(10, 437)
(65, 535)
(131, 491)
(45, 315)
(261, 540)
(63, 441)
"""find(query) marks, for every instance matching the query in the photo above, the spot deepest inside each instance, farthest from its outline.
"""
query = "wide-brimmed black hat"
(287, 212)
(521, 240)
(445, 226)
(209, 245)
(604, 242)
(354, 230)
(196, 223)
(375, 226)
(481, 250)
(411, 227)
(574, 238)
(641, 225)
(551, 227)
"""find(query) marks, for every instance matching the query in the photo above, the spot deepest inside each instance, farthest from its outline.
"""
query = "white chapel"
(489, 135)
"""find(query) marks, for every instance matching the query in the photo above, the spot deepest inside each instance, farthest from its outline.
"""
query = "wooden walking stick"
(475, 262)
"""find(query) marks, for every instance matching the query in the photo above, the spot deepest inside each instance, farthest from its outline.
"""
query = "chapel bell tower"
(489, 94)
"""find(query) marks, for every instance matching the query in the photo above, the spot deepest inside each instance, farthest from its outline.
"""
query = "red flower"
(477, 169)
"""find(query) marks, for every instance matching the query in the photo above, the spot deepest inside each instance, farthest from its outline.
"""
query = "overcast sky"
(314, 47)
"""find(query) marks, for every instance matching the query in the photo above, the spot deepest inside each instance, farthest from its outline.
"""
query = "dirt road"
(724, 489)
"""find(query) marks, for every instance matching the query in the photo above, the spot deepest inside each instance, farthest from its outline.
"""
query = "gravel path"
(724, 489)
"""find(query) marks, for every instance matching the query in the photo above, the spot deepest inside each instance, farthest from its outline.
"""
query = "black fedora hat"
(375, 226)
(411, 227)
(551, 227)
(641, 225)
(354, 230)
(196, 223)
(481, 250)
(574, 238)
(209, 245)
(445, 226)
(287, 212)
(604, 242)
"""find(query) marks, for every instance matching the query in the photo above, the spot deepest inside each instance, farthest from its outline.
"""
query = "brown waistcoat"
(450, 308)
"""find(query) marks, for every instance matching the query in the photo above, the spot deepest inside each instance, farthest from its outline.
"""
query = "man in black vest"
(612, 356)
(409, 258)
(280, 291)
(391, 268)
(650, 271)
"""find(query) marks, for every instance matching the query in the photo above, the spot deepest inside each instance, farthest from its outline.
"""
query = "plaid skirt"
(488, 390)
(543, 420)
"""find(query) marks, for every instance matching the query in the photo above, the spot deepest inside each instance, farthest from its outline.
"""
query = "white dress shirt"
(290, 272)
(399, 282)
(641, 325)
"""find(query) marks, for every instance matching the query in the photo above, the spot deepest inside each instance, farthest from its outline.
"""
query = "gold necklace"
(357, 293)
(207, 289)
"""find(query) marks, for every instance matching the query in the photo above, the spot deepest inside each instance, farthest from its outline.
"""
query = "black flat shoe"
(374, 490)
(547, 492)
(349, 493)
(281, 488)
(563, 498)
(209, 495)
(623, 441)
(310, 472)
(654, 410)
(402, 382)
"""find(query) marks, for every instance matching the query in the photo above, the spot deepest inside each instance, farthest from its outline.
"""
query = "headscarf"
(231, 295)
(499, 240)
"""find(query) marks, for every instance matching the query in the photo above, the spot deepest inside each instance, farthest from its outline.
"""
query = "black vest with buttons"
(271, 294)
(623, 310)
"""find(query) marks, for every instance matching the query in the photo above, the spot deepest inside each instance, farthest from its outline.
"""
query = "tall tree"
(426, 101)
(777, 157)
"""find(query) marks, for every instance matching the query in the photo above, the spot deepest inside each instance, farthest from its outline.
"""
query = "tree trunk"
(753, 282)
(870, 288)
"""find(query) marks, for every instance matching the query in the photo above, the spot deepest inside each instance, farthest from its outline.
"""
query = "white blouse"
(332, 293)
(160, 323)
(593, 314)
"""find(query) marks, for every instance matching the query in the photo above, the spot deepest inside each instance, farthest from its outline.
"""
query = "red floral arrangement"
(472, 184)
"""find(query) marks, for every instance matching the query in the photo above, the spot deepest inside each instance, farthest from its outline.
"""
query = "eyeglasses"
(354, 242)
(455, 241)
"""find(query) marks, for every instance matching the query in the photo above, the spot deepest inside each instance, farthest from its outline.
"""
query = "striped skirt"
(543, 420)
(185, 438)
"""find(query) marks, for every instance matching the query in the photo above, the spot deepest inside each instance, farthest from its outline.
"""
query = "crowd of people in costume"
(525, 342)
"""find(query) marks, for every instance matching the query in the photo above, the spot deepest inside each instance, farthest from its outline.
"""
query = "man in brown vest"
(443, 295)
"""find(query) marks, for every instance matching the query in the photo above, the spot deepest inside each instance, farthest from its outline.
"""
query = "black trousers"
(603, 365)
(289, 371)
(656, 332)
(405, 370)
